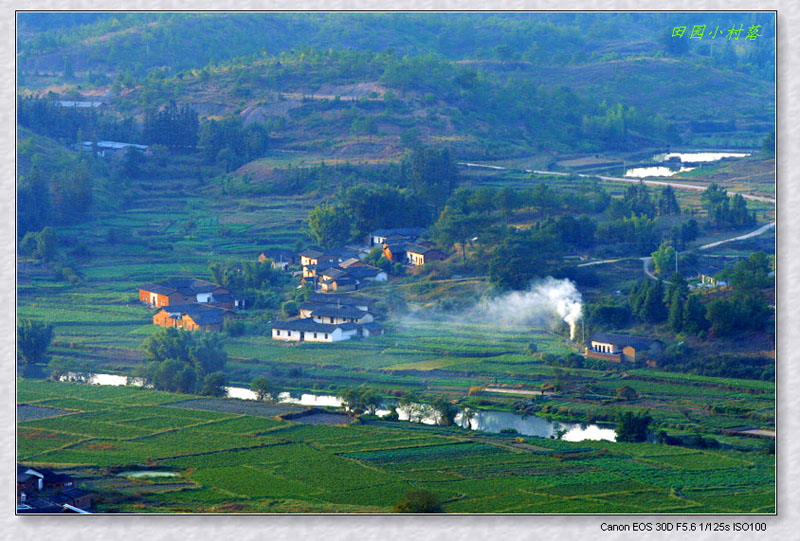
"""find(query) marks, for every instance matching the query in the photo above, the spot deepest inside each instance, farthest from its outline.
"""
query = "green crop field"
(227, 461)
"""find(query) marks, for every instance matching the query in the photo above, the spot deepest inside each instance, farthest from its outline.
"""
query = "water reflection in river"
(483, 420)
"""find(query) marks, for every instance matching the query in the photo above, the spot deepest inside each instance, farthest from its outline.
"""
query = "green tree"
(694, 316)
(264, 389)
(289, 308)
(653, 309)
(214, 384)
(445, 411)
(664, 258)
(519, 259)
(675, 318)
(46, 244)
(329, 226)
(33, 341)
(667, 202)
(632, 427)
(455, 227)
(418, 501)
(202, 351)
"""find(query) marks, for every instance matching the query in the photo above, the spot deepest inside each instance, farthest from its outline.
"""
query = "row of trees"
(725, 211)
(639, 201)
(362, 399)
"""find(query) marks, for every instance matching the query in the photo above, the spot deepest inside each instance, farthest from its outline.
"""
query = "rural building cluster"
(620, 348)
(195, 304)
(40, 490)
(329, 318)
(190, 304)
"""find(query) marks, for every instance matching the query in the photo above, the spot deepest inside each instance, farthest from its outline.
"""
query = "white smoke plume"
(535, 306)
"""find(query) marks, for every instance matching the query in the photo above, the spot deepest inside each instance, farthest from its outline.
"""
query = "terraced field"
(228, 461)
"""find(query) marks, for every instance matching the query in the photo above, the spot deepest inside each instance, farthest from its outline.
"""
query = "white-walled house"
(308, 330)
(340, 314)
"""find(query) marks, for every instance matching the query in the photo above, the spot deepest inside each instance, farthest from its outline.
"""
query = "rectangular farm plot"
(254, 482)
(78, 424)
(231, 405)
(33, 441)
(28, 412)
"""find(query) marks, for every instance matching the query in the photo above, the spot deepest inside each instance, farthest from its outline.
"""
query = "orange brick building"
(192, 317)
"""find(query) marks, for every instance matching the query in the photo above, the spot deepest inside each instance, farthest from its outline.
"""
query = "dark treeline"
(230, 144)
(73, 124)
(189, 40)
(427, 177)
(173, 126)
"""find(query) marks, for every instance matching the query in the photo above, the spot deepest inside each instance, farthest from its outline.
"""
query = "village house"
(410, 234)
(343, 283)
(373, 328)
(183, 291)
(361, 303)
(280, 257)
(308, 330)
(40, 490)
(193, 317)
(420, 255)
(316, 256)
(621, 347)
(323, 314)
(105, 149)
(81, 104)
(335, 278)
(329, 313)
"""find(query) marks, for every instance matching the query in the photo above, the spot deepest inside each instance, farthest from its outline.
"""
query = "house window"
(315, 335)
(326, 336)
(277, 333)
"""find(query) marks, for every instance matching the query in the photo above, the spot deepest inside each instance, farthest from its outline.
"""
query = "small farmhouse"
(410, 234)
(280, 257)
(40, 490)
(361, 303)
(340, 314)
(188, 290)
(420, 255)
(621, 347)
(329, 318)
(371, 329)
(308, 330)
(192, 317)
(112, 148)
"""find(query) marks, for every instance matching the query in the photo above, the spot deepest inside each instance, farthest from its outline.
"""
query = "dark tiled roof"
(335, 298)
(417, 249)
(330, 310)
(373, 326)
(202, 314)
(333, 272)
(39, 505)
(309, 325)
(638, 342)
(403, 231)
(311, 253)
(364, 271)
(185, 286)
(342, 281)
